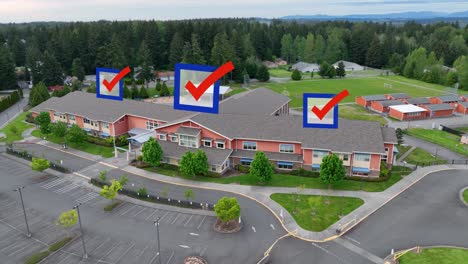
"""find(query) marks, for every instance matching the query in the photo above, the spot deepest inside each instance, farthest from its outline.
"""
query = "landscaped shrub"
(58, 245)
(142, 191)
(36, 258)
(30, 118)
(305, 173)
(111, 206)
(169, 166)
(243, 168)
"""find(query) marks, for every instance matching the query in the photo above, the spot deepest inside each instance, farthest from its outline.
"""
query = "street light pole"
(156, 223)
(24, 211)
(77, 207)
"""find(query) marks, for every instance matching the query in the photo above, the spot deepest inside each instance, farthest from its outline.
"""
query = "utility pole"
(156, 223)
(24, 211)
(77, 208)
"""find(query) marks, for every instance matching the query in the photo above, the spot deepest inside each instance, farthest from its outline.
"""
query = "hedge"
(58, 245)
(25, 155)
(9, 100)
(36, 258)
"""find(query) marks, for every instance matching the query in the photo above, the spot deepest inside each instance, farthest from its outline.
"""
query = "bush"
(58, 245)
(36, 258)
(305, 173)
(296, 75)
(243, 168)
(169, 166)
(142, 192)
(111, 206)
(30, 118)
(140, 158)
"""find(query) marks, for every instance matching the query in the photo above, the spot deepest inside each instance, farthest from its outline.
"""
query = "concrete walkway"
(403, 157)
(373, 200)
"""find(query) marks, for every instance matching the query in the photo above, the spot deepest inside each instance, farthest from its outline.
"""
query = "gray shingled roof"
(190, 131)
(389, 135)
(87, 105)
(418, 100)
(352, 135)
(390, 102)
(449, 98)
(399, 95)
(375, 97)
(260, 101)
(215, 156)
(437, 107)
(271, 155)
(465, 104)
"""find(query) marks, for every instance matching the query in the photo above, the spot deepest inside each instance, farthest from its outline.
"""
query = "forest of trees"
(51, 50)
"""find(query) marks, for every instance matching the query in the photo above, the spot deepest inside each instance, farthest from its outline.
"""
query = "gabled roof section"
(449, 98)
(439, 107)
(399, 95)
(260, 101)
(189, 131)
(418, 100)
(375, 97)
(390, 102)
(389, 135)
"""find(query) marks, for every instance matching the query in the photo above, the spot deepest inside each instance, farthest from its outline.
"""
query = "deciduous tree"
(261, 168)
(332, 170)
(227, 209)
(152, 152)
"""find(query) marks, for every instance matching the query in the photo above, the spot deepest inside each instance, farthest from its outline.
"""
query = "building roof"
(215, 156)
(87, 105)
(408, 108)
(389, 102)
(438, 107)
(399, 95)
(189, 131)
(352, 135)
(375, 97)
(349, 65)
(261, 101)
(389, 135)
(270, 155)
(465, 104)
(306, 67)
(449, 98)
(418, 100)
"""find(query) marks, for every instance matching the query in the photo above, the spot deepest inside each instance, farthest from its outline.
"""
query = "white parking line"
(272, 226)
(352, 239)
(175, 219)
(67, 188)
(330, 253)
(160, 219)
(253, 228)
(190, 218)
(126, 251)
(18, 250)
(62, 261)
(170, 257)
(86, 198)
(201, 222)
(126, 211)
(203, 252)
(193, 234)
(141, 253)
(184, 246)
(53, 183)
(139, 212)
(149, 216)
(108, 252)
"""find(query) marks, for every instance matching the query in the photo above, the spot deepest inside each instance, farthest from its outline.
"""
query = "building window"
(162, 137)
(246, 162)
(86, 121)
(220, 145)
(105, 125)
(361, 157)
(320, 153)
(213, 167)
(250, 145)
(286, 148)
(285, 165)
(173, 138)
(188, 141)
(71, 117)
(151, 125)
(207, 143)
(345, 157)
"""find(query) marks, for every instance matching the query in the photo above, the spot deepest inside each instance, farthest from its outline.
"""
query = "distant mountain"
(423, 15)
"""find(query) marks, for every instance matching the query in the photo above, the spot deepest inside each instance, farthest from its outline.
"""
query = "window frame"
(249, 145)
(222, 143)
(282, 151)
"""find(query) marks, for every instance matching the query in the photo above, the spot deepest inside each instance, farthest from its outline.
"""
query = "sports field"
(356, 87)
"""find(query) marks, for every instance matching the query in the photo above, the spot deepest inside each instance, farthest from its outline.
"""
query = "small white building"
(350, 66)
(464, 139)
(306, 67)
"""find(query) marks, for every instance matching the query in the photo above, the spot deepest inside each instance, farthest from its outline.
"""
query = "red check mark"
(116, 79)
(321, 113)
(210, 80)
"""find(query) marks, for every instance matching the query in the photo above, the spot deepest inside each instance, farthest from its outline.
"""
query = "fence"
(442, 162)
(25, 155)
(451, 130)
(158, 199)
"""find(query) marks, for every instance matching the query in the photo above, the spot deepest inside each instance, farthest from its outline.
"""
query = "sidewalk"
(373, 200)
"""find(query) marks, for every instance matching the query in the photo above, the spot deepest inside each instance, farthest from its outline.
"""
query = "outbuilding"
(462, 108)
(383, 106)
(367, 100)
(397, 96)
(439, 110)
(407, 112)
(418, 101)
(446, 99)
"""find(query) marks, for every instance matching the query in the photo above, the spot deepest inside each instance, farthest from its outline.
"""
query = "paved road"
(11, 112)
(429, 213)
(433, 148)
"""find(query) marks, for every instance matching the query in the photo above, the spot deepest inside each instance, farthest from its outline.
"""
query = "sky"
(91, 10)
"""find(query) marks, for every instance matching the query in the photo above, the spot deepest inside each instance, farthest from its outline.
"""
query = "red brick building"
(439, 110)
(407, 112)
(462, 108)
(383, 106)
(397, 96)
(446, 99)
(366, 101)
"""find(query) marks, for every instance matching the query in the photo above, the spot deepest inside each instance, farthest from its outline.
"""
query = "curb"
(460, 195)
(389, 259)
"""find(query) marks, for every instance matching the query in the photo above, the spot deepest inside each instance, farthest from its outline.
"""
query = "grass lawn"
(394, 79)
(105, 152)
(20, 126)
(355, 86)
(441, 138)
(420, 156)
(463, 129)
(352, 111)
(402, 150)
(312, 212)
(285, 180)
(436, 256)
(152, 91)
(465, 195)
(282, 73)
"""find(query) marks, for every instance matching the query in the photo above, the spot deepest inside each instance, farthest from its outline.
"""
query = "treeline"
(11, 99)
(78, 48)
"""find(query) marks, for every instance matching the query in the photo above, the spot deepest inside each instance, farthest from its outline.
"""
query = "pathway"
(403, 157)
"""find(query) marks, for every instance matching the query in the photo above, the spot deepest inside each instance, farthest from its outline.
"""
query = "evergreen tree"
(287, 48)
(158, 86)
(263, 75)
(374, 56)
(7, 70)
(222, 50)
(324, 69)
(319, 48)
(331, 72)
(126, 92)
(77, 69)
(134, 91)
(296, 75)
(309, 55)
(164, 90)
(176, 49)
(143, 93)
(52, 72)
(340, 71)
